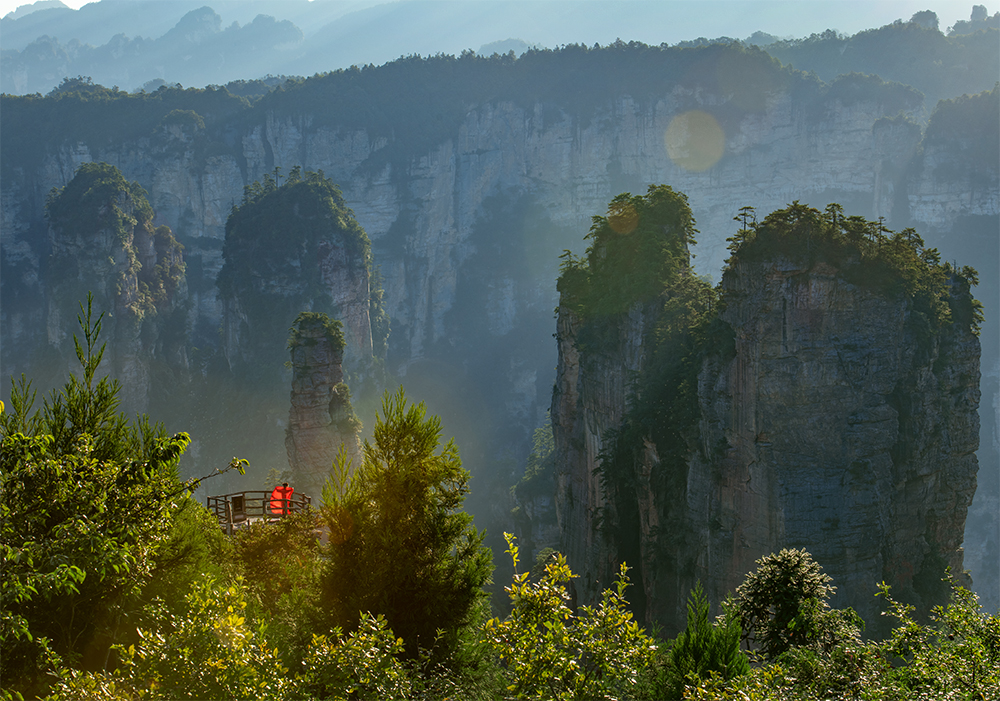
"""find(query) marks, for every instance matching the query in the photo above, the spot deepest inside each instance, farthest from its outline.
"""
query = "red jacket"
(281, 499)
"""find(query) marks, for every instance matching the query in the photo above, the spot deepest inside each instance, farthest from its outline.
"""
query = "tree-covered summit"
(291, 247)
(637, 250)
(865, 253)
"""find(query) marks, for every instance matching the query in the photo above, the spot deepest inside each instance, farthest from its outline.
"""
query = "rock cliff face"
(836, 424)
(466, 231)
(102, 241)
(321, 419)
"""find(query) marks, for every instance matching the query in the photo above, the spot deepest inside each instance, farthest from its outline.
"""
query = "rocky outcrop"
(467, 226)
(844, 431)
(289, 249)
(838, 422)
(102, 241)
(321, 420)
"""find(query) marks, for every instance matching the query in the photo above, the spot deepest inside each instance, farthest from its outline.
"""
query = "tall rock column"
(830, 403)
(103, 243)
(321, 418)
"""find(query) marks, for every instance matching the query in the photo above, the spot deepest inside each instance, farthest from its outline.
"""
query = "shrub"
(550, 652)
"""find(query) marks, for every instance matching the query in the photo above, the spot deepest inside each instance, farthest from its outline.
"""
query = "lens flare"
(695, 141)
(622, 218)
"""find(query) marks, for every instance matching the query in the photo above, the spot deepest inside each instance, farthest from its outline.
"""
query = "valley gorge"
(467, 218)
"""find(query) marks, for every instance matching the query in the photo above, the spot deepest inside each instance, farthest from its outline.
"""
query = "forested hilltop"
(469, 175)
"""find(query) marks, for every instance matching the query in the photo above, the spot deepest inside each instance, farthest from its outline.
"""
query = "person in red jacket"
(281, 499)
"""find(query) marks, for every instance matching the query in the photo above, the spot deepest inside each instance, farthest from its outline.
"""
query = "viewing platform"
(239, 509)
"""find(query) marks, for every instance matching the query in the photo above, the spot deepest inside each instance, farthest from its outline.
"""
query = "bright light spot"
(623, 218)
(695, 141)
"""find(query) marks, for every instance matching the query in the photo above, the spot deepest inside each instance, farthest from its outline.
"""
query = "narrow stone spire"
(321, 417)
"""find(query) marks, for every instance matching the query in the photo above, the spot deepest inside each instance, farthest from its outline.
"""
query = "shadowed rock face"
(320, 419)
(836, 426)
(102, 242)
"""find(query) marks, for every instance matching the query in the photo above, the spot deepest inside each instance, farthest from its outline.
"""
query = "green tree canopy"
(86, 497)
(399, 545)
(783, 604)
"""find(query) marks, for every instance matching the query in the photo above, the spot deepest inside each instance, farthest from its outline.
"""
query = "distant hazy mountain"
(199, 42)
(97, 22)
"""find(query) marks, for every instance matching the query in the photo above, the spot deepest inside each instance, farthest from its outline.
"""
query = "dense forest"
(746, 488)
(118, 585)
(379, 590)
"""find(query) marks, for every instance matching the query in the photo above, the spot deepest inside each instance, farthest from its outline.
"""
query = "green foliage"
(956, 657)
(93, 201)
(967, 128)
(904, 52)
(539, 472)
(865, 254)
(80, 111)
(160, 282)
(783, 604)
(550, 652)
(702, 649)
(281, 566)
(193, 549)
(275, 240)
(852, 88)
(363, 665)
(637, 250)
(399, 545)
(210, 651)
(332, 329)
(86, 499)
(183, 118)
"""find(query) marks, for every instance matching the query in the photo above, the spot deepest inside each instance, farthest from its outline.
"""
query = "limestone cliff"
(102, 241)
(321, 420)
(470, 177)
(291, 248)
(843, 419)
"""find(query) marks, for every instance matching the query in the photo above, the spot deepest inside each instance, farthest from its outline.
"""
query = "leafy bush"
(783, 604)
(550, 652)
(210, 651)
(956, 657)
(363, 665)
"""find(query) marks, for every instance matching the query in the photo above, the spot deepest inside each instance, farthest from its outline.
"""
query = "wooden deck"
(239, 509)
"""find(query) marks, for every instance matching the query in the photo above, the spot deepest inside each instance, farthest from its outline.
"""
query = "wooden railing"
(240, 508)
